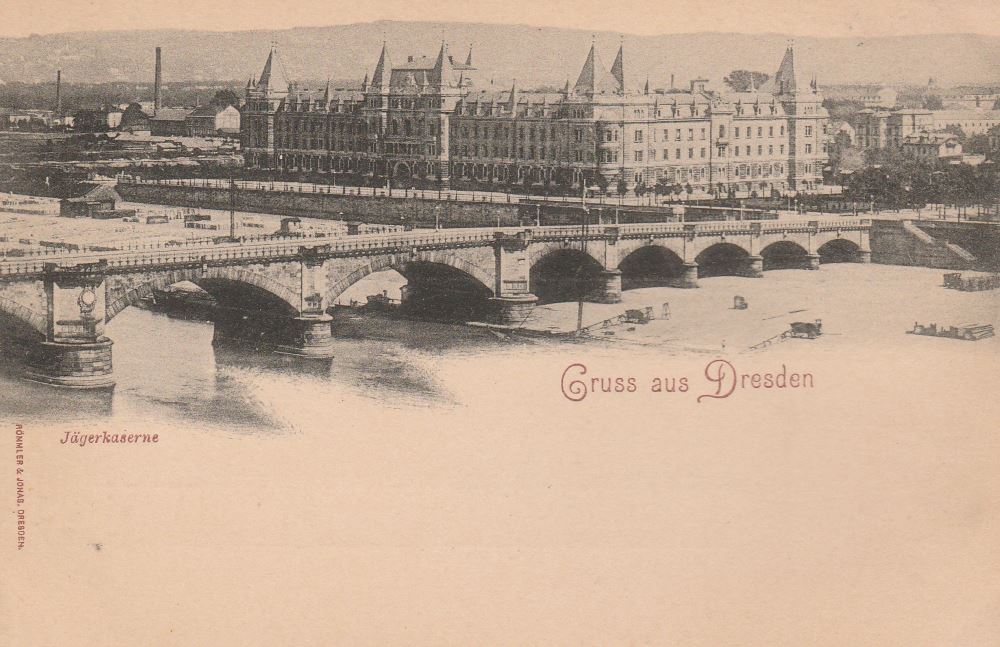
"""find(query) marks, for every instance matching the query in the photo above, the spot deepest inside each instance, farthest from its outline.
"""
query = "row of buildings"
(204, 121)
(429, 119)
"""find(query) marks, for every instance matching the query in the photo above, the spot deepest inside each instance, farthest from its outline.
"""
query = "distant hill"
(534, 55)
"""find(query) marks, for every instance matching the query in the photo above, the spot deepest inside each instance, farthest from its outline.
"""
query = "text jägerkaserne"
(719, 381)
(107, 438)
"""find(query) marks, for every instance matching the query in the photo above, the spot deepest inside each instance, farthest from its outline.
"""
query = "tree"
(226, 97)
(977, 145)
(622, 184)
(739, 80)
(955, 130)
(602, 183)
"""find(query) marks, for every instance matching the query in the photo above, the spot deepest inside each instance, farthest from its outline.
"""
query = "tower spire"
(468, 59)
(784, 78)
(594, 77)
(442, 67)
(618, 67)
(383, 70)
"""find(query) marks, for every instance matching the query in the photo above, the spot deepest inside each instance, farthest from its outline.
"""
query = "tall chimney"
(58, 92)
(156, 84)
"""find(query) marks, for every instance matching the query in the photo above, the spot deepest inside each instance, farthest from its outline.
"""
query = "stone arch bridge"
(53, 312)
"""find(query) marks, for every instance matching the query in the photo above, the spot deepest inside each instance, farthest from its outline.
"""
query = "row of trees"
(895, 181)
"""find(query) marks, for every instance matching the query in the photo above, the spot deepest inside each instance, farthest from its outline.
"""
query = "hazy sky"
(825, 17)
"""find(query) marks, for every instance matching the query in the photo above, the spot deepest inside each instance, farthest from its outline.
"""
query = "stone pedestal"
(308, 336)
(755, 267)
(511, 310)
(611, 287)
(689, 277)
(812, 261)
(83, 365)
(864, 256)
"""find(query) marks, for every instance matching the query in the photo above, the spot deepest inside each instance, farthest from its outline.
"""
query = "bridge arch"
(401, 263)
(838, 250)
(784, 255)
(230, 286)
(23, 320)
(539, 251)
(722, 259)
(651, 266)
(564, 274)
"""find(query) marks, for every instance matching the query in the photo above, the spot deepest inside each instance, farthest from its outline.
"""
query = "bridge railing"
(200, 251)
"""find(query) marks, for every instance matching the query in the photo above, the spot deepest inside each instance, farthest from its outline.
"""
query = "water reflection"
(167, 369)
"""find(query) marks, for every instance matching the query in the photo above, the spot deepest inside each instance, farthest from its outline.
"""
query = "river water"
(439, 479)
(167, 369)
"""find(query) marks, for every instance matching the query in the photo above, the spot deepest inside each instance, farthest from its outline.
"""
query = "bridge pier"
(76, 365)
(689, 278)
(611, 287)
(812, 261)
(755, 267)
(75, 353)
(864, 256)
(309, 336)
(512, 310)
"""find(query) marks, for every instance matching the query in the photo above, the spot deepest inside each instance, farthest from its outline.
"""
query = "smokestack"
(58, 92)
(156, 84)
(671, 81)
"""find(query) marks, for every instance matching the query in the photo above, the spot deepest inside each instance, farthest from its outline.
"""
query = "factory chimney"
(58, 92)
(156, 84)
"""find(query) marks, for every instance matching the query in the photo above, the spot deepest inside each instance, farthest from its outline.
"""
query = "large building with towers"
(432, 122)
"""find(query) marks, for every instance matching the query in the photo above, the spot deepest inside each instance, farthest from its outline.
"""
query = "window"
(578, 156)
(722, 132)
(690, 153)
(702, 133)
(677, 135)
(770, 150)
(770, 131)
(809, 131)
(703, 152)
(760, 131)
(638, 156)
(722, 151)
(748, 151)
(760, 150)
(809, 148)
(736, 132)
(637, 137)
(690, 134)
(736, 151)
(782, 131)
(578, 135)
(678, 155)
(666, 154)
(781, 149)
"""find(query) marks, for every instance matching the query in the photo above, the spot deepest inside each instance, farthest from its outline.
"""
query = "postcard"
(511, 323)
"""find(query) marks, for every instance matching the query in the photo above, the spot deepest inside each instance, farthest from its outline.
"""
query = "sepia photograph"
(443, 323)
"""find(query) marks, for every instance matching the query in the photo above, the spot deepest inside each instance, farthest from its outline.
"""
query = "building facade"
(888, 129)
(427, 120)
(932, 146)
(213, 121)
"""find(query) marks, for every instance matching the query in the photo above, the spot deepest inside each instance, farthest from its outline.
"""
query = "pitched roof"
(594, 77)
(618, 68)
(380, 78)
(171, 114)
